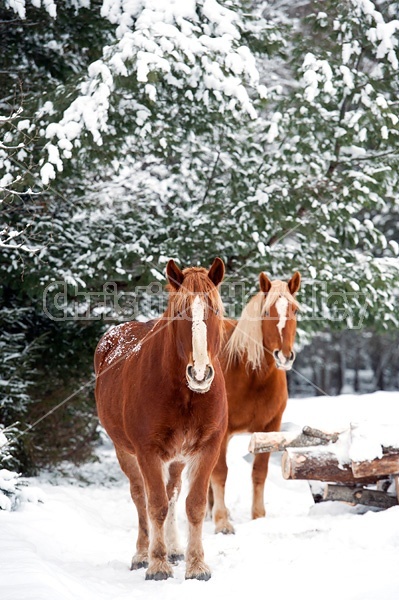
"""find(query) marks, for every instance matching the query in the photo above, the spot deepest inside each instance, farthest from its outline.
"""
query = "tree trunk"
(356, 376)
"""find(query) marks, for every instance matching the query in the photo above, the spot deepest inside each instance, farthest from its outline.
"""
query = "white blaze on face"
(200, 347)
(282, 308)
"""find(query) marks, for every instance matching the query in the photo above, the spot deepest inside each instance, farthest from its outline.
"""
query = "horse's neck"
(164, 344)
(268, 366)
(229, 326)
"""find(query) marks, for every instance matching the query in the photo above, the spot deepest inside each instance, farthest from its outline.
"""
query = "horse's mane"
(247, 338)
(196, 281)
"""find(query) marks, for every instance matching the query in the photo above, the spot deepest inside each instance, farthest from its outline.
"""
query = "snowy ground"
(77, 544)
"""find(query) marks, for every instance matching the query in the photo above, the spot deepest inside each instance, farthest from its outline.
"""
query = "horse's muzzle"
(283, 362)
(200, 386)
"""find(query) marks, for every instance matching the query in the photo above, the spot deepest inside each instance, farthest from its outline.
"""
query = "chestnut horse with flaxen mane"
(257, 353)
(161, 397)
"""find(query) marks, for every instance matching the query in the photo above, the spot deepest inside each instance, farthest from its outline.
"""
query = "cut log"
(324, 436)
(387, 465)
(280, 440)
(308, 436)
(396, 479)
(314, 455)
(319, 464)
(356, 495)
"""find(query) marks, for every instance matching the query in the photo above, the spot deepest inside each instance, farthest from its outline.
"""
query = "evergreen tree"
(188, 130)
(210, 169)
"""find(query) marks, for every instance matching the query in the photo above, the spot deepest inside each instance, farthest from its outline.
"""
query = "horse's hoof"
(159, 576)
(203, 576)
(139, 564)
(139, 561)
(198, 570)
(258, 515)
(227, 529)
(159, 570)
(175, 558)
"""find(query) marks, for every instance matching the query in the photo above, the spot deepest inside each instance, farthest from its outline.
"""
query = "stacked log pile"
(312, 454)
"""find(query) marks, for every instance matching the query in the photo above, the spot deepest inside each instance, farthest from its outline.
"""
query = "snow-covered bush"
(15, 490)
(10, 483)
(9, 489)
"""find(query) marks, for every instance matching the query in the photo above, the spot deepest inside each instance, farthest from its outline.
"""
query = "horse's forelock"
(279, 289)
(196, 282)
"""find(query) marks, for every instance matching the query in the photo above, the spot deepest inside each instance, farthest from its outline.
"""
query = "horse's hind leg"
(218, 481)
(211, 502)
(131, 469)
(175, 552)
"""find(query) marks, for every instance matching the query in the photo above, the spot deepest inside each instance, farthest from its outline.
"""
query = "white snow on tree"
(194, 46)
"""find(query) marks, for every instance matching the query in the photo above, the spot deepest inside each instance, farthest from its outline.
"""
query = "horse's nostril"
(209, 373)
(275, 354)
(292, 356)
(190, 371)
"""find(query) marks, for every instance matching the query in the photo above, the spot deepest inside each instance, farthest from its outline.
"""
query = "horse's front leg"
(131, 469)
(196, 502)
(218, 482)
(152, 470)
(260, 469)
(259, 474)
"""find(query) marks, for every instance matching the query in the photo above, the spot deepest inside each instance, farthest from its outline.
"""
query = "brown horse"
(161, 397)
(257, 353)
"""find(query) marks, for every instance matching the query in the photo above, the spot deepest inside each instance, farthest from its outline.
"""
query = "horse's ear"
(216, 272)
(294, 283)
(174, 274)
(264, 283)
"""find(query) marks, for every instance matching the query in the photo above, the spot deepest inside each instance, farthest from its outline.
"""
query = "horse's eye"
(267, 313)
(217, 311)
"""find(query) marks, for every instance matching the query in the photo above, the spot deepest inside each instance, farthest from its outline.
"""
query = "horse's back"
(113, 354)
(119, 342)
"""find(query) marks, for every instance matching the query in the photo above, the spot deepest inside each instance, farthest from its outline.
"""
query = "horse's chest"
(192, 443)
(184, 443)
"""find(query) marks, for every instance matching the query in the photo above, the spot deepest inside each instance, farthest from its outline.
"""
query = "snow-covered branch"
(19, 6)
(7, 236)
(194, 46)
